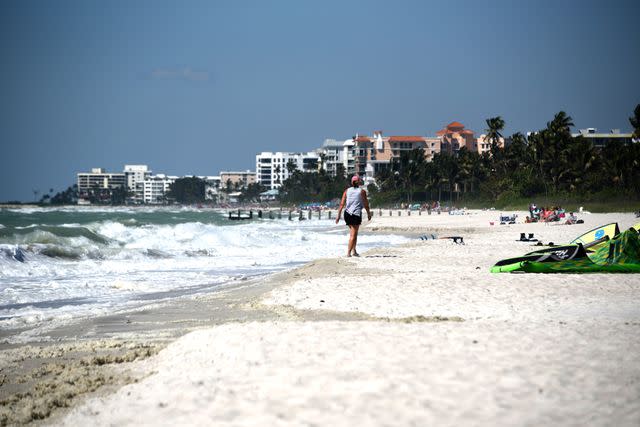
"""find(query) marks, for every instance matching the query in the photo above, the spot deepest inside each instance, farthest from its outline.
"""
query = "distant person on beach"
(353, 200)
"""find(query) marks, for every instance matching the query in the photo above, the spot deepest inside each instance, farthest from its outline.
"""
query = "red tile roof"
(363, 139)
(442, 132)
(455, 125)
(406, 139)
(467, 132)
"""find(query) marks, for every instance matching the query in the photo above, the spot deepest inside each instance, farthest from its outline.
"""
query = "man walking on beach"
(354, 198)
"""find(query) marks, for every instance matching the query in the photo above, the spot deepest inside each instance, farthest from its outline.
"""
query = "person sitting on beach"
(547, 214)
(571, 219)
(353, 200)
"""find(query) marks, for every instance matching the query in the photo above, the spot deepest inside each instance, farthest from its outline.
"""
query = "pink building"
(372, 154)
(455, 136)
(368, 155)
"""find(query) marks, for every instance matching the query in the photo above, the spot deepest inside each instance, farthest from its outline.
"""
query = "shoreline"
(99, 354)
(395, 296)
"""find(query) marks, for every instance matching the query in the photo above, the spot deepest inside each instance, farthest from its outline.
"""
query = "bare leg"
(353, 240)
(350, 239)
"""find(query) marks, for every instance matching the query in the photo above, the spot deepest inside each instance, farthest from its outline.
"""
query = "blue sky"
(198, 87)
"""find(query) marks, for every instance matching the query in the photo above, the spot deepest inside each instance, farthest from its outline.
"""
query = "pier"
(305, 214)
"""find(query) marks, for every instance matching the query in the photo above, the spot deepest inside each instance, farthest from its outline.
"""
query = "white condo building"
(271, 168)
(98, 183)
(155, 188)
(135, 175)
(338, 153)
(212, 188)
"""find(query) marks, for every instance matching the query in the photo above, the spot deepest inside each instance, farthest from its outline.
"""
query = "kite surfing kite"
(601, 250)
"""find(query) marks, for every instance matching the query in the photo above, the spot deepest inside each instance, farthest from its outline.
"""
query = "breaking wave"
(117, 259)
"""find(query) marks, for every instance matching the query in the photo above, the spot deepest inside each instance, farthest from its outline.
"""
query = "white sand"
(533, 349)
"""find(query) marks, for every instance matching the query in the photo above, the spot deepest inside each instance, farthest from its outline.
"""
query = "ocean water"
(57, 265)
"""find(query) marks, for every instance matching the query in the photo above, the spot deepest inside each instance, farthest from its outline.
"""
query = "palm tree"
(561, 123)
(495, 126)
(291, 167)
(410, 168)
(278, 177)
(553, 147)
(635, 122)
(465, 162)
(448, 169)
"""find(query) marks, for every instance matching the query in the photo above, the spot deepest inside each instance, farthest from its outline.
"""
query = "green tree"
(277, 170)
(635, 122)
(409, 168)
(252, 192)
(447, 169)
(470, 170)
(495, 126)
(561, 123)
(119, 195)
(291, 167)
(66, 197)
(188, 190)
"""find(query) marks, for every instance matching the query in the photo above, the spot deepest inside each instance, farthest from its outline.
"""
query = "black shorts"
(352, 219)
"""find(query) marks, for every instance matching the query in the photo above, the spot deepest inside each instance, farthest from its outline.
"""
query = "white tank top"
(354, 201)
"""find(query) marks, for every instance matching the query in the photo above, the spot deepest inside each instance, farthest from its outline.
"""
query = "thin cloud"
(186, 74)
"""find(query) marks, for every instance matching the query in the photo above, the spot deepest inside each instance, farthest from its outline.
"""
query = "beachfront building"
(135, 176)
(98, 185)
(336, 155)
(212, 188)
(601, 140)
(373, 154)
(272, 170)
(366, 155)
(237, 179)
(155, 188)
(370, 155)
(483, 145)
(433, 145)
(454, 136)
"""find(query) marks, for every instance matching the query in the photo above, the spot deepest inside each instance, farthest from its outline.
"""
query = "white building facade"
(212, 188)
(602, 139)
(271, 167)
(155, 188)
(135, 176)
(335, 153)
(99, 183)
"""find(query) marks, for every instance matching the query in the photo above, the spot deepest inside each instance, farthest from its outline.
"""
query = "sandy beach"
(416, 334)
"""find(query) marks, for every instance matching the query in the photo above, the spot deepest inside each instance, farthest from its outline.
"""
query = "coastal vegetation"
(549, 165)
(68, 196)
(312, 186)
(187, 190)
